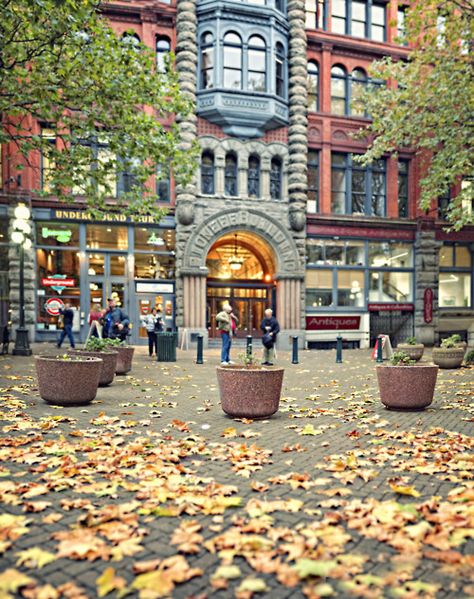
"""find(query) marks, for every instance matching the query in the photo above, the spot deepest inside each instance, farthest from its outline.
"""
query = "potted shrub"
(413, 349)
(404, 384)
(469, 359)
(249, 390)
(449, 354)
(68, 379)
(98, 348)
(125, 355)
(459, 342)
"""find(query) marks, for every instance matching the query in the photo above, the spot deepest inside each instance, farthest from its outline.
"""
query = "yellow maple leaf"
(34, 558)
(11, 580)
(108, 582)
(405, 490)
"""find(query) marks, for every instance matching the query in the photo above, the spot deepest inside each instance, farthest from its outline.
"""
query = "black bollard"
(249, 346)
(338, 349)
(294, 353)
(379, 349)
(199, 359)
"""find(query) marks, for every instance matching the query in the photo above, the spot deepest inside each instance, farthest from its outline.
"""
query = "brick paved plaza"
(152, 491)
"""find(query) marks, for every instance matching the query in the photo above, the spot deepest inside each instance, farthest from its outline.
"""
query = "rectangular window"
(48, 138)
(315, 14)
(401, 25)
(454, 290)
(319, 288)
(377, 22)
(163, 182)
(339, 16)
(358, 189)
(313, 181)
(351, 288)
(57, 234)
(328, 251)
(390, 255)
(154, 266)
(106, 237)
(359, 19)
(150, 239)
(386, 286)
(403, 188)
(444, 202)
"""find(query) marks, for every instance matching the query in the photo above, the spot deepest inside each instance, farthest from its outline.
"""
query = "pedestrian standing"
(67, 314)
(225, 321)
(270, 329)
(95, 327)
(150, 322)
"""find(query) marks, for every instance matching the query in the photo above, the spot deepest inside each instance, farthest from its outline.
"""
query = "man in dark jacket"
(68, 316)
(116, 322)
(270, 329)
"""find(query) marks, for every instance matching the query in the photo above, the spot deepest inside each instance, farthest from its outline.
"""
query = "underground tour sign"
(53, 306)
(58, 282)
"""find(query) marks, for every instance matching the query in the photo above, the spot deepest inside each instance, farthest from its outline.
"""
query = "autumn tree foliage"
(101, 96)
(428, 103)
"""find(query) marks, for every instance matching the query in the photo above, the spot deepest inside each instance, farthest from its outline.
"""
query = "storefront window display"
(385, 273)
(58, 276)
(106, 237)
(154, 240)
(154, 266)
(57, 234)
(455, 276)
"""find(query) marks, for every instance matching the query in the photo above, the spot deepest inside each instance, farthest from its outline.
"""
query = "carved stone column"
(298, 126)
(194, 303)
(289, 302)
(427, 277)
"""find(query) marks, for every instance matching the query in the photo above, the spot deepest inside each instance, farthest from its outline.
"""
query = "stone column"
(289, 295)
(298, 121)
(265, 177)
(14, 284)
(427, 277)
(186, 66)
(219, 182)
(194, 303)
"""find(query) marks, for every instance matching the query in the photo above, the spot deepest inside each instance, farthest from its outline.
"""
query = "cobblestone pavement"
(152, 491)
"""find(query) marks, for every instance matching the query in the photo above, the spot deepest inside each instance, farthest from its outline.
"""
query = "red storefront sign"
(56, 281)
(53, 305)
(428, 305)
(332, 323)
(391, 307)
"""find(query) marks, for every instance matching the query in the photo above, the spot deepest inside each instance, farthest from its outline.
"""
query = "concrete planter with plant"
(412, 348)
(68, 379)
(449, 354)
(125, 355)
(249, 390)
(99, 348)
(406, 385)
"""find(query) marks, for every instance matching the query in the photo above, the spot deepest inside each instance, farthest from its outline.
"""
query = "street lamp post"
(20, 236)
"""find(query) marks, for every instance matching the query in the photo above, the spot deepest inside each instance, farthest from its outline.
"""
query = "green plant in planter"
(71, 358)
(469, 359)
(400, 358)
(96, 344)
(113, 342)
(456, 338)
(449, 342)
(411, 341)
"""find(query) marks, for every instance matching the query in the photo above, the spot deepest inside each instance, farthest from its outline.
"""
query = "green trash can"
(166, 347)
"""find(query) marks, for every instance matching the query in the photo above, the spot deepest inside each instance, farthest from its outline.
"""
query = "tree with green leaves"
(428, 103)
(99, 95)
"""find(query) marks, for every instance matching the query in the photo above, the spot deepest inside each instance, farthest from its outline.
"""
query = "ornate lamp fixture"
(236, 261)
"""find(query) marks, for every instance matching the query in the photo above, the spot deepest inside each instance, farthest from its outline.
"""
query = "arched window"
(253, 177)
(131, 38)
(230, 174)
(275, 179)
(313, 86)
(232, 61)
(207, 173)
(207, 61)
(280, 59)
(163, 47)
(256, 77)
(338, 90)
(358, 84)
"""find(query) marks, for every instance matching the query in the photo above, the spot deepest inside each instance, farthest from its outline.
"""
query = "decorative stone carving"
(185, 213)
(297, 219)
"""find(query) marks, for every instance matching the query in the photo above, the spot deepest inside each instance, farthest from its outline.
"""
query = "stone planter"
(415, 352)
(109, 363)
(448, 357)
(407, 387)
(249, 392)
(68, 382)
(124, 358)
(462, 345)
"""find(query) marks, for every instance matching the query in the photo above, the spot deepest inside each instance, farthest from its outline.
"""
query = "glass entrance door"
(162, 302)
(107, 275)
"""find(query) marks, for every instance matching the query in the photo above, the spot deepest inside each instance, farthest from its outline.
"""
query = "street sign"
(53, 305)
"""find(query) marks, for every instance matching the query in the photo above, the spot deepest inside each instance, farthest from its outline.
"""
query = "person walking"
(225, 320)
(150, 322)
(270, 329)
(116, 322)
(67, 314)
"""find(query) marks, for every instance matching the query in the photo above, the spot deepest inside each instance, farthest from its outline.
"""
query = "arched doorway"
(241, 268)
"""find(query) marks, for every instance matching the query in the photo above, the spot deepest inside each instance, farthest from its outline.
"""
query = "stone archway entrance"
(241, 269)
(269, 251)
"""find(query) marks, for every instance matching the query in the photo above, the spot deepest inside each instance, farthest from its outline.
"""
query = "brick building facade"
(279, 213)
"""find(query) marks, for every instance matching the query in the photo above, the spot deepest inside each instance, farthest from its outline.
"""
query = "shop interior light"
(452, 279)
(235, 261)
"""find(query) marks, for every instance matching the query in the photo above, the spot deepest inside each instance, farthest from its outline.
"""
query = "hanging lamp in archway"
(236, 261)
